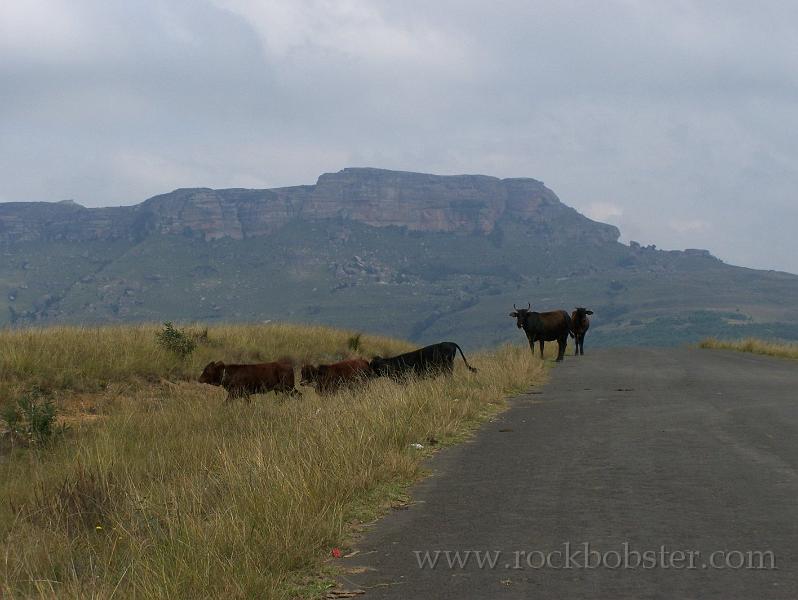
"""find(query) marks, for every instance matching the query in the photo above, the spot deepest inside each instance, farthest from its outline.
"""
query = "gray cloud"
(674, 121)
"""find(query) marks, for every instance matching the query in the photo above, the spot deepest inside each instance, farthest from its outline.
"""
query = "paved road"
(693, 450)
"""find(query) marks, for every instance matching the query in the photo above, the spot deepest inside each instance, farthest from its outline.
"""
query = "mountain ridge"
(414, 255)
(375, 197)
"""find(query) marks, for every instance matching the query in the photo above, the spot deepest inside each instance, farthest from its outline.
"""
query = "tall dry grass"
(88, 359)
(169, 493)
(754, 346)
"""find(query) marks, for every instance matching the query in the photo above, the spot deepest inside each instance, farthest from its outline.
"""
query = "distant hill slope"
(406, 254)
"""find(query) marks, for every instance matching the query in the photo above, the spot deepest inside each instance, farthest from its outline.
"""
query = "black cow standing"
(430, 360)
(544, 327)
(580, 323)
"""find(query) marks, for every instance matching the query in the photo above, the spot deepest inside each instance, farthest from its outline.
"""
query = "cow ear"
(590, 312)
(514, 314)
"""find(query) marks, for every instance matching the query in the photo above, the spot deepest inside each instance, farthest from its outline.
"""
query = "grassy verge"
(754, 346)
(159, 490)
(89, 359)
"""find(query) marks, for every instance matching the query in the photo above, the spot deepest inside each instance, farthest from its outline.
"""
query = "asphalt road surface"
(650, 451)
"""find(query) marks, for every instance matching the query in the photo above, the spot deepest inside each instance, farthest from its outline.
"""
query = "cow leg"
(542, 343)
(576, 343)
(582, 345)
(531, 341)
(561, 345)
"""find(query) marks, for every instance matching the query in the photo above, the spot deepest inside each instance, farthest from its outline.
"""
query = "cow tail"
(470, 368)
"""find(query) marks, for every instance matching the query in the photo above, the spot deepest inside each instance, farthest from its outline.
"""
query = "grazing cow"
(241, 381)
(544, 327)
(329, 379)
(580, 323)
(427, 361)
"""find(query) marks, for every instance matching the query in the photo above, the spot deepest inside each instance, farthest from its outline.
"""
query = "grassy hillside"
(754, 346)
(414, 285)
(160, 490)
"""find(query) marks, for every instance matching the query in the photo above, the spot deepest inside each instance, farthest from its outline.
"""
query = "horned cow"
(544, 327)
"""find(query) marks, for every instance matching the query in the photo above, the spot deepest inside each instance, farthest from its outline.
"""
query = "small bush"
(32, 418)
(353, 343)
(175, 340)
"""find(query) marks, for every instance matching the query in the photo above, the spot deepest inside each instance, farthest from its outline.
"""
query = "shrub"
(175, 340)
(32, 418)
(354, 342)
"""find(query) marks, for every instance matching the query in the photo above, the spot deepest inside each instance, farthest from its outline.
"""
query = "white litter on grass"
(417, 446)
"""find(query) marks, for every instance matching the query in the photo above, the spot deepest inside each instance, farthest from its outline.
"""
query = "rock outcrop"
(473, 204)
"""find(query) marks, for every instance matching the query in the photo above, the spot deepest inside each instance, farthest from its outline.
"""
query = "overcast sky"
(676, 121)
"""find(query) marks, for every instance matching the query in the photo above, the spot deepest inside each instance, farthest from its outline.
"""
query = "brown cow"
(580, 323)
(328, 379)
(241, 381)
(544, 327)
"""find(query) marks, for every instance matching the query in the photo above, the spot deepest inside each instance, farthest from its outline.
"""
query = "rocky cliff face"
(464, 203)
(214, 214)
(36, 221)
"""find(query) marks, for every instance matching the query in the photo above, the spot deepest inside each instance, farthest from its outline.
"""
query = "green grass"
(160, 490)
(754, 346)
(418, 285)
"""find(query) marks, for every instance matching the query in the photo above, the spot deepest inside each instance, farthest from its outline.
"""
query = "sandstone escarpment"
(214, 214)
(473, 204)
(36, 221)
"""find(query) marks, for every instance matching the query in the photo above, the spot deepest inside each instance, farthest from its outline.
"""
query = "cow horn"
(529, 306)
(514, 306)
